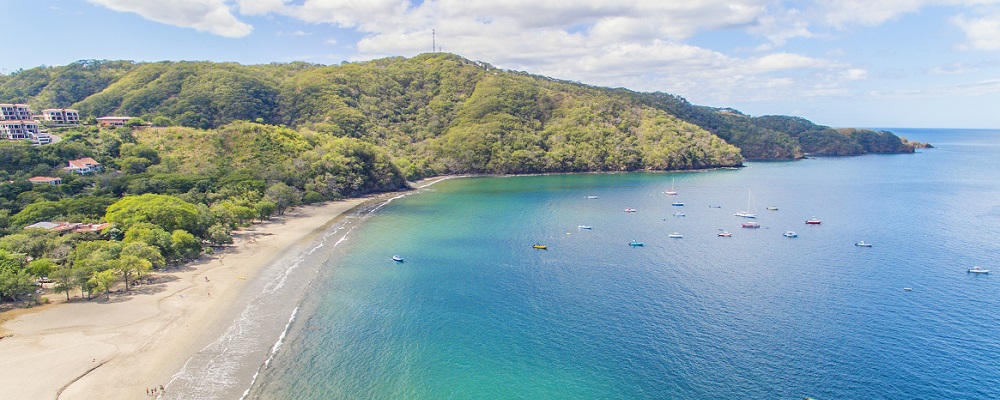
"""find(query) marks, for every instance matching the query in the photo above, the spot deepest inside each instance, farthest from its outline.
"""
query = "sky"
(841, 63)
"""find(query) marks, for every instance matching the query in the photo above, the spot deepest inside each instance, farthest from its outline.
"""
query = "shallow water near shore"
(475, 312)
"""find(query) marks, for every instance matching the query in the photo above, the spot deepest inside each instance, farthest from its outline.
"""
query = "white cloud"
(854, 74)
(212, 16)
(979, 88)
(953, 69)
(983, 33)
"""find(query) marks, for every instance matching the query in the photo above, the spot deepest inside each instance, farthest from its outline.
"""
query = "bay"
(475, 312)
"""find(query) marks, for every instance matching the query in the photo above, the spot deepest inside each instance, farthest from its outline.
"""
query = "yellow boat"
(539, 246)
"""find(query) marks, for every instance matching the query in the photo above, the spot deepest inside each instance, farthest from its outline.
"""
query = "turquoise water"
(475, 312)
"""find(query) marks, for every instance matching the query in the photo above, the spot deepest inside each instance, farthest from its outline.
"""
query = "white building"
(19, 129)
(61, 116)
(112, 122)
(15, 112)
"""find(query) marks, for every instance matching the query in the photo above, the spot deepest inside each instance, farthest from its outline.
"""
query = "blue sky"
(857, 63)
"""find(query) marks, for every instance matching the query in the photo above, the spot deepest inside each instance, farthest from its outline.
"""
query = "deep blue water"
(475, 312)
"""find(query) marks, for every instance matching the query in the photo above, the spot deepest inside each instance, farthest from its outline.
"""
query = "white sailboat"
(751, 211)
(671, 192)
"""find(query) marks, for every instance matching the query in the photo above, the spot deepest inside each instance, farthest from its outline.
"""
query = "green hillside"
(234, 143)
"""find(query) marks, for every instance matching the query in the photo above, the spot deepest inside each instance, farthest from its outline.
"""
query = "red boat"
(813, 221)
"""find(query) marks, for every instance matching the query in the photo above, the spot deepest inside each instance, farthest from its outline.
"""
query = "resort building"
(48, 180)
(84, 165)
(61, 116)
(41, 138)
(14, 112)
(112, 122)
(18, 129)
(63, 227)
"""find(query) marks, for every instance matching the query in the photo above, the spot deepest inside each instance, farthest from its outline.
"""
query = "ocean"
(474, 312)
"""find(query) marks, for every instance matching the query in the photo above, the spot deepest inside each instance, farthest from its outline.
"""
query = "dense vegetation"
(234, 143)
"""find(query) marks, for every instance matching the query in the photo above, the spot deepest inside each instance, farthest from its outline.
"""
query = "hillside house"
(18, 129)
(83, 166)
(112, 122)
(47, 180)
(61, 116)
(14, 112)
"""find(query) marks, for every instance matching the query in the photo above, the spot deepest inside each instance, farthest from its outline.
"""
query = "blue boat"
(677, 204)
(635, 243)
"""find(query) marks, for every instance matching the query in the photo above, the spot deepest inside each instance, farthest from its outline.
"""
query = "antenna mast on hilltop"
(433, 42)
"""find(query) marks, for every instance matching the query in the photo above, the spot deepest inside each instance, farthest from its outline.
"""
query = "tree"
(104, 280)
(41, 267)
(168, 212)
(219, 235)
(264, 209)
(283, 196)
(135, 259)
(63, 275)
(15, 281)
(152, 235)
(184, 245)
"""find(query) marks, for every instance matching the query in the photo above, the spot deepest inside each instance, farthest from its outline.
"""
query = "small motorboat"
(714, 206)
(978, 270)
(790, 234)
(907, 289)
(591, 197)
(628, 210)
(540, 246)
(863, 244)
(813, 221)
(397, 258)
(725, 234)
(584, 227)
(635, 243)
(750, 224)
(677, 204)
(680, 215)
(675, 235)
(772, 208)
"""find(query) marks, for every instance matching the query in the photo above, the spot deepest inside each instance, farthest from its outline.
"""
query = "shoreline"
(119, 347)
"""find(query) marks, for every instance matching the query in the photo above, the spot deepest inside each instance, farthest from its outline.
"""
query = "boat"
(540, 246)
(630, 210)
(714, 206)
(751, 211)
(591, 197)
(671, 191)
(725, 234)
(979, 270)
(680, 214)
(790, 234)
(863, 244)
(397, 258)
(584, 227)
(677, 204)
(750, 224)
(907, 289)
(635, 243)
(772, 208)
(675, 235)
(813, 221)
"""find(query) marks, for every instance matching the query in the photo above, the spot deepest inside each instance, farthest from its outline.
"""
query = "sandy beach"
(117, 348)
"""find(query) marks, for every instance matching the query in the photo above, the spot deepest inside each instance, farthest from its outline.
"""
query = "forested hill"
(219, 145)
(440, 113)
